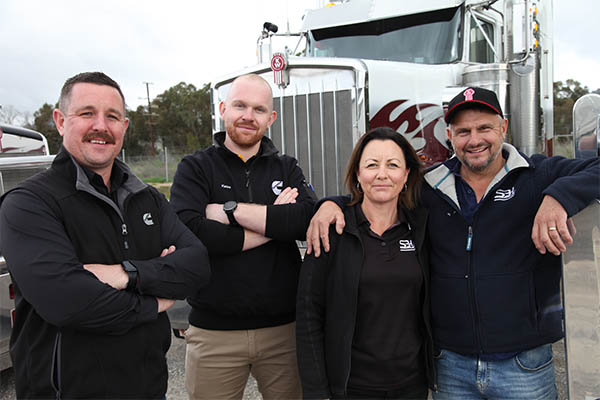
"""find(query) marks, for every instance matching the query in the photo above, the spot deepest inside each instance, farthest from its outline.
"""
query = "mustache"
(104, 136)
(247, 125)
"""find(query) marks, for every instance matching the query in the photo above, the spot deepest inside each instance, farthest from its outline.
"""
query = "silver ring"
(552, 228)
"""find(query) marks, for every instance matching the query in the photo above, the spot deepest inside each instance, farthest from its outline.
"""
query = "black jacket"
(327, 301)
(254, 288)
(74, 336)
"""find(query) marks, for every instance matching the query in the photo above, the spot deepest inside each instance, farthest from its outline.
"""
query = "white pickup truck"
(23, 153)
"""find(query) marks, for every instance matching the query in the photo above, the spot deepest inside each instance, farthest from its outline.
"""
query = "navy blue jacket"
(491, 290)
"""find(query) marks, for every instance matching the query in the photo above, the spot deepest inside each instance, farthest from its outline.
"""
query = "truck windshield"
(426, 38)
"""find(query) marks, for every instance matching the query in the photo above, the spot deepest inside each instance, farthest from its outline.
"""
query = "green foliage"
(137, 138)
(43, 123)
(565, 96)
(181, 119)
(183, 116)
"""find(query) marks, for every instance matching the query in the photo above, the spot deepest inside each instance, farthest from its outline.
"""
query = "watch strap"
(132, 273)
(229, 208)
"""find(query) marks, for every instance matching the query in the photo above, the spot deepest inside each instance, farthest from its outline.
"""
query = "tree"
(9, 115)
(137, 138)
(183, 119)
(565, 96)
(43, 123)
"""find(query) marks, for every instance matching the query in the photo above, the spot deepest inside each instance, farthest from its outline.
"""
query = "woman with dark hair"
(363, 327)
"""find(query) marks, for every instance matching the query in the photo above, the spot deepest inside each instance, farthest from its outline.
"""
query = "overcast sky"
(43, 42)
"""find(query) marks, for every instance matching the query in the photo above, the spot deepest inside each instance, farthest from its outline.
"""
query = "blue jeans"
(529, 375)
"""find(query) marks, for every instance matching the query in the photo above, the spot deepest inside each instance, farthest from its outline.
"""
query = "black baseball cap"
(470, 97)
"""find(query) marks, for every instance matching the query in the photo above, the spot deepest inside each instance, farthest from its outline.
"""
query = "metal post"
(149, 114)
(166, 165)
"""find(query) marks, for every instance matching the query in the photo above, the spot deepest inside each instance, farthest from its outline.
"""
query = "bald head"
(247, 113)
(254, 78)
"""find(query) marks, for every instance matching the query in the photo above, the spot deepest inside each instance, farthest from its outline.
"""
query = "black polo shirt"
(388, 339)
(117, 179)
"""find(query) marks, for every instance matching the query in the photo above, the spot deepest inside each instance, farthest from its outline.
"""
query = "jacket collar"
(266, 148)
(65, 162)
(442, 177)
(416, 218)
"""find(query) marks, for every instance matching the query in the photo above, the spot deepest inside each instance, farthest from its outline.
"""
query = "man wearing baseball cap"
(495, 302)
(496, 305)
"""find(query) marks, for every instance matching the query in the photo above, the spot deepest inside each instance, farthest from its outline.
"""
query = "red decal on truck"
(432, 151)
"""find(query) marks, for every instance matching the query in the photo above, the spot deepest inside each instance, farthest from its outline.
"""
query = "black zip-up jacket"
(327, 302)
(254, 288)
(74, 336)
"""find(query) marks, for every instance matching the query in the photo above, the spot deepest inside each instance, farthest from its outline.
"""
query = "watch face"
(230, 206)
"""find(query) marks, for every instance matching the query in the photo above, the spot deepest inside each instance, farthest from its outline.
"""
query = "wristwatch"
(132, 272)
(229, 207)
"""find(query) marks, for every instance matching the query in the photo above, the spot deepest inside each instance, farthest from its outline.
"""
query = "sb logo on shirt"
(406, 245)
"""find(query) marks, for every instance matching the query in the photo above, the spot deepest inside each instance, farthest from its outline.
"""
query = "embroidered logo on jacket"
(504, 194)
(224, 186)
(148, 219)
(406, 245)
(277, 187)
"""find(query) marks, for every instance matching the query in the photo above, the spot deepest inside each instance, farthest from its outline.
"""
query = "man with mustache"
(495, 281)
(248, 205)
(96, 257)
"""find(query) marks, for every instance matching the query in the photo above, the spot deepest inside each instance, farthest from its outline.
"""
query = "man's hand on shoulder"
(318, 229)
(552, 229)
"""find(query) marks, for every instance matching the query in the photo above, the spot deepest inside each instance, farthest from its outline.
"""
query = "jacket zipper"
(124, 233)
(248, 186)
(55, 376)
(470, 277)
(355, 308)
(419, 252)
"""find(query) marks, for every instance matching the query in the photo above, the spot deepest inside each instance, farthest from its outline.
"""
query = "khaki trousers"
(218, 363)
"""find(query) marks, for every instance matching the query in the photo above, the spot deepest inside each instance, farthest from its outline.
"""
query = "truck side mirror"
(586, 126)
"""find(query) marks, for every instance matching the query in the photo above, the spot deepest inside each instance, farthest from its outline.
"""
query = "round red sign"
(277, 62)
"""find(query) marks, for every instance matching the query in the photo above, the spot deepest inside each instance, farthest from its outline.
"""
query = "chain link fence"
(159, 168)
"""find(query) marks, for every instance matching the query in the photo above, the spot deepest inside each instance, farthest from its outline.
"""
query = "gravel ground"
(176, 360)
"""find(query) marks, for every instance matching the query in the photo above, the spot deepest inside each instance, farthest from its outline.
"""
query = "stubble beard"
(245, 140)
(485, 165)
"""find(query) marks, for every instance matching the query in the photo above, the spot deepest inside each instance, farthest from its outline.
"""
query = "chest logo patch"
(224, 186)
(504, 194)
(277, 187)
(147, 218)
(406, 245)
